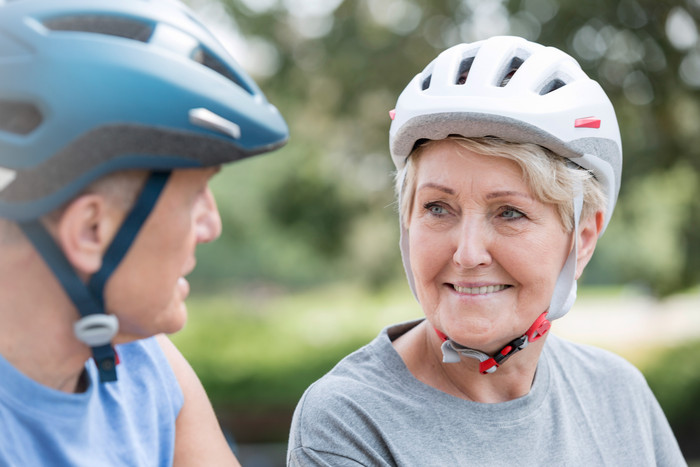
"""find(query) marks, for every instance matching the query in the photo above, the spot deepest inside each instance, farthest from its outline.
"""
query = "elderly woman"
(509, 162)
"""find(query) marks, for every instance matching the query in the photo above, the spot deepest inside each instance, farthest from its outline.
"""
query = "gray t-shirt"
(586, 407)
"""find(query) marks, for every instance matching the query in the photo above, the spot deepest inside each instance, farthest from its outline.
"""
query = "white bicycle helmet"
(520, 91)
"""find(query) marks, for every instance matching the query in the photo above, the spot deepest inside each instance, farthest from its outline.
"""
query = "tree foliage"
(338, 66)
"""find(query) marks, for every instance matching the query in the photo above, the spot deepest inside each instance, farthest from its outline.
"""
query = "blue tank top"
(129, 422)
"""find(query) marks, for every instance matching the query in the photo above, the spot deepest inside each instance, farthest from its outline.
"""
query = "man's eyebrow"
(437, 186)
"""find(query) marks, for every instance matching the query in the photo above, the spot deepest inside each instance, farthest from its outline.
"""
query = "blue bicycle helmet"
(91, 87)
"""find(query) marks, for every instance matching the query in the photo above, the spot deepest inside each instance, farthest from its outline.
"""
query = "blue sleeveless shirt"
(130, 422)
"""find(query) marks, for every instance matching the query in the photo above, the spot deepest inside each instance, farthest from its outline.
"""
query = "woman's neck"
(420, 349)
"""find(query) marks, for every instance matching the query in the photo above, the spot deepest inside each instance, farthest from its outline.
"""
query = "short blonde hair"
(551, 178)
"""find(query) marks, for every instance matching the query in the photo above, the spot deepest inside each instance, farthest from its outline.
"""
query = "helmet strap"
(95, 328)
(452, 351)
(564, 293)
(127, 232)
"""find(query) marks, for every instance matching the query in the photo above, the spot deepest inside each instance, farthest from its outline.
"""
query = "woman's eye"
(435, 209)
(510, 213)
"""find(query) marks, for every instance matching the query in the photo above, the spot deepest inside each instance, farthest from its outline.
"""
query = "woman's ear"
(588, 233)
(85, 230)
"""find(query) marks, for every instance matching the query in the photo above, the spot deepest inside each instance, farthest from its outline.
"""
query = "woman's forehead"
(449, 161)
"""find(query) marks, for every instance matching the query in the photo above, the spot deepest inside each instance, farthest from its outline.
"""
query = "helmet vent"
(210, 61)
(510, 71)
(552, 86)
(426, 83)
(20, 118)
(101, 24)
(464, 68)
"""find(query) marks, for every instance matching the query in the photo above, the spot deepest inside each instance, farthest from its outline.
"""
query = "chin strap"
(452, 351)
(95, 328)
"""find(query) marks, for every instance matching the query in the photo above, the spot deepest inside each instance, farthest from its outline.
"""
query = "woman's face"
(485, 254)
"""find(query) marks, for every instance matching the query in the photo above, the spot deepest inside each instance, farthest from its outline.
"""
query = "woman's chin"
(475, 333)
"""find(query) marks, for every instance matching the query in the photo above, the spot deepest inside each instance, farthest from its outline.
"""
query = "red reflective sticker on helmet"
(392, 113)
(588, 122)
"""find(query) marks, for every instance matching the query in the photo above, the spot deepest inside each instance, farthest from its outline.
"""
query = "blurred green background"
(308, 266)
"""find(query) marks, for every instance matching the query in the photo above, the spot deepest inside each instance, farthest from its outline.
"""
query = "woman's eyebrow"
(437, 186)
(504, 194)
(492, 195)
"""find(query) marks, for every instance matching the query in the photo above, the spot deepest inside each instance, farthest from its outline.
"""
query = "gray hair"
(121, 188)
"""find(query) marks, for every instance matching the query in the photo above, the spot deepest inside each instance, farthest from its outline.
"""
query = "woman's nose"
(208, 220)
(472, 248)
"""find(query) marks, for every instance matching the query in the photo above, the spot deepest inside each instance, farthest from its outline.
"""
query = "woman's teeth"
(480, 290)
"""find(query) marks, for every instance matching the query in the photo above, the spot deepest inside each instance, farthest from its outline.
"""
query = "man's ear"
(85, 230)
(588, 233)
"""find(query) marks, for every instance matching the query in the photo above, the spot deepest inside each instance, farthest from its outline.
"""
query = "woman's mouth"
(481, 290)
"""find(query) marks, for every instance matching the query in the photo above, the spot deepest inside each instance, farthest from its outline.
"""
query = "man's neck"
(36, 335)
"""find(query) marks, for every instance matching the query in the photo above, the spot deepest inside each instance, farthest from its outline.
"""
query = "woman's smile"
(479, 289)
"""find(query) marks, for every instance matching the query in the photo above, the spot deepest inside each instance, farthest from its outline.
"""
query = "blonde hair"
(552, 179)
